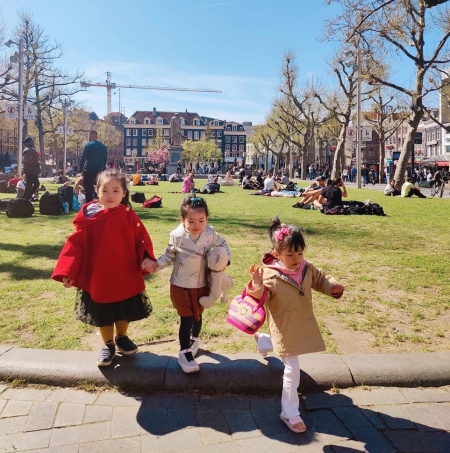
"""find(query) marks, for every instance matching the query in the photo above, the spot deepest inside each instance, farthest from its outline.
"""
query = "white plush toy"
(219, 281)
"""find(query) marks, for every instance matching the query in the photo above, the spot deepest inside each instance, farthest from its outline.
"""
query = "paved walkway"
(380, 420)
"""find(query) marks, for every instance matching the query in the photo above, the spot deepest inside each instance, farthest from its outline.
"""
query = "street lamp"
(356, 67)
(66, 104)
(18, 58)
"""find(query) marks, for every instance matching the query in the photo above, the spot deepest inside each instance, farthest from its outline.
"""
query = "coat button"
(143, 242)
(138, 224)
(128, 209)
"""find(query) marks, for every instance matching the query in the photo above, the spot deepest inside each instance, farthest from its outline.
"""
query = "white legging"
(291, 378)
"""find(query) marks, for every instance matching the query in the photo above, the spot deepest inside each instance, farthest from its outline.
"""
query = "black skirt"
(106, 314)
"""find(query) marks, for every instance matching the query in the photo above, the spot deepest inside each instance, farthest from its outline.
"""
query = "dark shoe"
(107, 354)
(125, 345)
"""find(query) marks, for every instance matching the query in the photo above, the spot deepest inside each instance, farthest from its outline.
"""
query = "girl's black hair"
(293, 240)
(116, 174)
(193, 201)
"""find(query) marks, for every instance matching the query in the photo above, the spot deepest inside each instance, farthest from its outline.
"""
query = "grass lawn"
(396, 268)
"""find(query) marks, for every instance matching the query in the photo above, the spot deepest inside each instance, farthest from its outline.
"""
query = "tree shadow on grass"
(19, 272)
(34, 250)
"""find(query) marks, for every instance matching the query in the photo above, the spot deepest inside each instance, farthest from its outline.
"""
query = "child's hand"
(337, 291)
(67, 282)
(257, 275)
(149, 265)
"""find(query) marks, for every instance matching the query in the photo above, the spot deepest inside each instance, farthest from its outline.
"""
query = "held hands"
(67, 282)
(337, 291)
(149, 265)
(257, 276)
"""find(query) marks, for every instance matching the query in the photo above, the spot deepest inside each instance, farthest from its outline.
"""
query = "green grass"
(396, 269)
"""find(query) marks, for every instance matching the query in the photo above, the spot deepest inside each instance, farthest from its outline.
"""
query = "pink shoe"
(295, 424)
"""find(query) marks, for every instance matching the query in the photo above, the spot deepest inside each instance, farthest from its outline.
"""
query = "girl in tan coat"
(292, 324)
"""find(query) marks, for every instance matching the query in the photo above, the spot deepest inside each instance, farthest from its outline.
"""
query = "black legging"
(188, 327)
(31, 187)
(89, 177)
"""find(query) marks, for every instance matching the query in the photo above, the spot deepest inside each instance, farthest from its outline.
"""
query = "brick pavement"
(372, 419)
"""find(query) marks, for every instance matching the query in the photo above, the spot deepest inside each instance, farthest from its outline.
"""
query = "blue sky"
(235, 46)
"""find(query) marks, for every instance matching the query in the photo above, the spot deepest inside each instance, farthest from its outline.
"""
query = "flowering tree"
(159, 156)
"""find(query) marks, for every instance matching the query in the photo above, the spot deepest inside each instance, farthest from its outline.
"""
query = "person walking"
(187, 249)
(92, 162)
(106, 258)
(31, 168)
(288, 280)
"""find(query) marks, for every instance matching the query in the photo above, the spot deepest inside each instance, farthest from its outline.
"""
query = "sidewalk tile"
(356, 423)
(223, 402)
(15, 408)
(420, 442)
(128, 445)
(373, 418)
(12, 425)
(117, 399)
(94, 414)
(41, 416)
(425, 417)
(124, 422)
(262, 403)
(25, 441)
(442, 412)
(170, 401)
(181, 418)
(226, 447)
(174, 441)
(26, 394)
(3, 387)
(72, 396)
(375, 396)
(287, 442)
(213, 426)
(241, 424)
(394, 417)
(327, 400)
(424, 395)
(326, 422)
(2, 404)
(153, 421)
(69, 414)
(65, 449)
(346, 447)
(83, 433)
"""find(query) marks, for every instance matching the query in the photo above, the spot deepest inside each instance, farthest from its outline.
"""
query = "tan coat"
(292, 324)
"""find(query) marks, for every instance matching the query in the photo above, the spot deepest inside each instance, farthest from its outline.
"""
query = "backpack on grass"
(19, 207)
(154, 202)
(138, 197)
(66, 195)
(50, 204)
(4, 203)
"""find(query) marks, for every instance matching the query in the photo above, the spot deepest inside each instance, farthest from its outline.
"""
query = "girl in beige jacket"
(292, 324)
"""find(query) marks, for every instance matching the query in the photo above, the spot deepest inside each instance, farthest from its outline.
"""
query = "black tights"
(188, 327)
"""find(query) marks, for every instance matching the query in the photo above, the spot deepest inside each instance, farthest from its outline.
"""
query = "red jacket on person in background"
(104, 255)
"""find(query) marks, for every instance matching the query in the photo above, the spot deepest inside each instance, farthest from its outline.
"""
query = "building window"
(234, 148)
(196, 135)
(213, 133)
(241, 139)
(219, 133)
(128, 142)
(166, 132)
(135, 133)
(182, 121)
(196, 122)
(144, 132)
(149, 141)
(241, 148)
(132, 121)
(144, 142)
(147, 121)
(234, 127)
(128, 152)
(234, 139)
(189, 134)
(134, 141)
(202, 134)
(150, 132)
(216, 123)
(167, 141)
(227, 139)
(227, 147)
(128, 132)
(159, 120)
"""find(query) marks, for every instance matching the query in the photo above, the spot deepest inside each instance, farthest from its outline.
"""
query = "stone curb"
(236, 373)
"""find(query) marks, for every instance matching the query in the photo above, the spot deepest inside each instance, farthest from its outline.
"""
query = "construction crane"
(112, 86)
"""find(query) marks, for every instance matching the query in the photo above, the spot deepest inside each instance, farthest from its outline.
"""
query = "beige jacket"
(292, 324)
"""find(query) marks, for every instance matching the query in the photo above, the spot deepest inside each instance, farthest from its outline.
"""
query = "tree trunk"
(339, 154)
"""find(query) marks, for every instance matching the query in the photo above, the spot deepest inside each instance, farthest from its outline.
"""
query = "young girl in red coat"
(106, 258)
(289, 278)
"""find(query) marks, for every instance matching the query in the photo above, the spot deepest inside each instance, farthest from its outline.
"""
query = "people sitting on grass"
(137, 179)
(212, 187)
(312, 193)
(21, 186)
(331, 195)
(391, 189)
(227, 181)
(408, 189)
(175, 177)
(249, 184)
(188, 184)
(60, 178)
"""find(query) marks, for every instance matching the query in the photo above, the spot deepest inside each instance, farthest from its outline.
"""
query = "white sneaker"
(195, 344)
(187, 367)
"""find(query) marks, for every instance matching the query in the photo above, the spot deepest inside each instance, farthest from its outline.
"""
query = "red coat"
(103, 256)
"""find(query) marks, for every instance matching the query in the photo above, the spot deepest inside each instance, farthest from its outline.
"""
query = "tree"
(200, 151)
(398, 27)
(266, 141)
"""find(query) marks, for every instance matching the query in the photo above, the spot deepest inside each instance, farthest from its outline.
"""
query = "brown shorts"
(185, 300)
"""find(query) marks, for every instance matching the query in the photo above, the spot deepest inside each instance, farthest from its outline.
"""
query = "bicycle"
(438, 190)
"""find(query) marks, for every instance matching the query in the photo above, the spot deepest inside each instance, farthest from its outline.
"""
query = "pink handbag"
(247, 313)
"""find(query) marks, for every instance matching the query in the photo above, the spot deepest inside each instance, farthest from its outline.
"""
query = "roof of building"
(141, 115)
